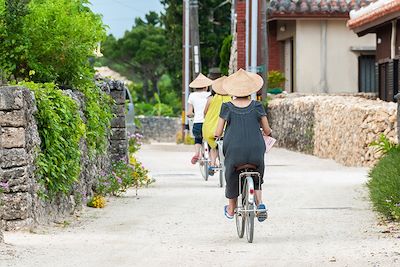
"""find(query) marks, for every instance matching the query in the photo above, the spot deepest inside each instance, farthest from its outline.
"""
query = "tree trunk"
(154, 82)
(145, 89)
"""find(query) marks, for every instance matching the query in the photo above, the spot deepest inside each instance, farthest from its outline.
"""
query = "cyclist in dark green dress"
(242, 119)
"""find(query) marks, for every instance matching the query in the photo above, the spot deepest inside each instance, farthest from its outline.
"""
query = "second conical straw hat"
(201, 81)
(217, 86)
(242, 83)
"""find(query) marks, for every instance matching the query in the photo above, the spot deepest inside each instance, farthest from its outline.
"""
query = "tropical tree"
(142, 51)
(214, 26)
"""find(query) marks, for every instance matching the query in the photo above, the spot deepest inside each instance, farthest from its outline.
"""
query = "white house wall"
(342, 63)
(307, 57)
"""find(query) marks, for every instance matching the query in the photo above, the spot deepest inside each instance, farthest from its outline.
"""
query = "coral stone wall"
(19, 140)
(159, 129)
(335, 127)
(19, 144)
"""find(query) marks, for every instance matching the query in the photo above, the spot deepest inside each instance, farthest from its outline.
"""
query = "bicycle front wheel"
(221, 178)
(250, 223)
(240, 222)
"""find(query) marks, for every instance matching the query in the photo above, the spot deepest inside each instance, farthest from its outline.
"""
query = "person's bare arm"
(207, 105)
(220, 128)
(265, 125)
(190, 112)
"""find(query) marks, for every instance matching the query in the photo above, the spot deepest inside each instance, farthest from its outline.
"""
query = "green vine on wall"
(60, 129)
(98, 114)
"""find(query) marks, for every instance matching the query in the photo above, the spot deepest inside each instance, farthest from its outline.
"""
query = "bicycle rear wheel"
(203, 163)
(221, 178)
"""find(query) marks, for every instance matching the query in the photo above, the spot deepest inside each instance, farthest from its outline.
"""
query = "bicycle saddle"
(246, 167)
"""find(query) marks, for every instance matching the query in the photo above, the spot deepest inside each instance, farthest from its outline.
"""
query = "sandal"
(227, 215)
(262, 215)
(211, 170)
(194, 159)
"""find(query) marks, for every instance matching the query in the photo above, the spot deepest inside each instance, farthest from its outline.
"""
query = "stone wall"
(19, 145)
(118, 138)
(335, 127)
(159, 129)
(19, 141)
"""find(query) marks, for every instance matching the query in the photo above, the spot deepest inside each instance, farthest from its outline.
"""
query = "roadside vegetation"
(384, 183)
(123, 176)
(150, 54)
(48, 46)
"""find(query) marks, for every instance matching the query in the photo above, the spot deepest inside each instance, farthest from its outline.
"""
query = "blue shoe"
(262, 215)
(211, 171)
(230, 217)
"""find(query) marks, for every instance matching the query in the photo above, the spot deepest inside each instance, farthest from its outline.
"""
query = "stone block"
(17, 179)
(14, 118)
(12, 137)
(17, 206)
(16, 225)
(119, 109)
(15, 157)
(119, 147)
(119, 96)
(117, 85)
(118, 134)
(11, 98)
(118, 122)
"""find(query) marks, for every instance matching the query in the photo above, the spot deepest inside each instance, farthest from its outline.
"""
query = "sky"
(120, 15)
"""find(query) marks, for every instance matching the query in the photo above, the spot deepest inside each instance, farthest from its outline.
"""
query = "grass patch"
(384, 185)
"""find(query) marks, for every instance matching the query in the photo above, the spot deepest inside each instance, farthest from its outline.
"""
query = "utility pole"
(194, 37)
(264, 46)
(185, 66)
(254, 41)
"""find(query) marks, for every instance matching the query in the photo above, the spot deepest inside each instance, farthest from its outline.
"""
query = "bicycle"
(246, 209)
(204, 161)
(221, 158)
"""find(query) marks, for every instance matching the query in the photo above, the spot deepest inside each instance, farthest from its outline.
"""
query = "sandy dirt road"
(319, 216)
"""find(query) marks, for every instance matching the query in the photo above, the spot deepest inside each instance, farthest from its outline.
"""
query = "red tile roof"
(306, 8)
(382, 11)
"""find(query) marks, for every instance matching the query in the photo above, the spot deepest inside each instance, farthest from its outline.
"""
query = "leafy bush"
(384, 145)
(189, 140)
(48, 40)
(275, 79)
(384, 185)
(134, 142)
(143, 108)
(225, 54)
(60, 129)
(97, 201)
(123, 177)
(98, 115)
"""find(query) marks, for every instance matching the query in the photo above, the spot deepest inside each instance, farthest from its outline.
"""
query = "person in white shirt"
(197, 102)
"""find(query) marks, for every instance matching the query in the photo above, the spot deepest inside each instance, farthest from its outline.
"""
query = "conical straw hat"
(200, 82)
(217, 86)
(242, 83)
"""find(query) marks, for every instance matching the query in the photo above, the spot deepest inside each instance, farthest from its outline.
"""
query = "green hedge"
(60, 129)
(384, 185)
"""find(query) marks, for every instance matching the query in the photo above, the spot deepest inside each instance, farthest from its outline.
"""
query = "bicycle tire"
(203, 163)
(221, 178)
(250, 214)
(250, 223)
(240, 219)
